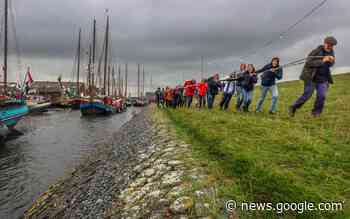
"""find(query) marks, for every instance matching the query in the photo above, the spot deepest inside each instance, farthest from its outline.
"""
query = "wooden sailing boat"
(140, 101)
(127, 99)
(75, 101)
(96, 106)
(11, 110)
(36, 103)
(118, 99)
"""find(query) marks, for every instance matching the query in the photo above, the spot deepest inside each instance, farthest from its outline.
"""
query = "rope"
(291, 27)
(300, 61)
(287, 65)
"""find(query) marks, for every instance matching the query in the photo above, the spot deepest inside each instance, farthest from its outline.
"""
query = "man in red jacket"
(190, 87)
(202, 90)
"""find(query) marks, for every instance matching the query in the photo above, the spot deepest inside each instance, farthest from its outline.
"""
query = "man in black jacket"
(317, 75)
(158, 96)
(213, 89)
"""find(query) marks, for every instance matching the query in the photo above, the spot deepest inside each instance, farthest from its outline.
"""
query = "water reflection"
(50, 144)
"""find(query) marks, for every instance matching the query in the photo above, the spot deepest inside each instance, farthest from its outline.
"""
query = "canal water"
(50, 145)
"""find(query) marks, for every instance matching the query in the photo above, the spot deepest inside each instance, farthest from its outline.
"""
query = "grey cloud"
(170, 36)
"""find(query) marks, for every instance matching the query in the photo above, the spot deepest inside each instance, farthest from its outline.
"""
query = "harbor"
(48, 147)
(50, 128)
(174, 110)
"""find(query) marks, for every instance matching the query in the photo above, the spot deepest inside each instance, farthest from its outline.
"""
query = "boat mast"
(113, 82)
(121, 85)
(116, 81)
(126, 80)
(5, 46)
(109, 80)
(99, 78)
(138, 80)
(119, 82)
(89, 71)
(93, 53)
(78, 64)
(106, 56)
(143, 81)
(202, 67)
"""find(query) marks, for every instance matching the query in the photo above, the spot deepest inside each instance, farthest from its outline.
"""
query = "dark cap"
(331, 40)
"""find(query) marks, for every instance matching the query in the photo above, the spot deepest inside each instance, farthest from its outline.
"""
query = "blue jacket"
(239, 82)
(269, 77)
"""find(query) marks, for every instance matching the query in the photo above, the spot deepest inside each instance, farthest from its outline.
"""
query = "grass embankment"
(273, 158)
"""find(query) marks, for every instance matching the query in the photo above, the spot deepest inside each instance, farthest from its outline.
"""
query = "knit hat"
(331, 40)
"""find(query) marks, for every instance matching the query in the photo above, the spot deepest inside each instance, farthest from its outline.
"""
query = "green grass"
(273, 158)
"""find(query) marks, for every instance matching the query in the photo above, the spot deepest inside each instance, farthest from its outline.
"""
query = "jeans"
(239, 94)
(201, 101)
(211, 99)
(309, 88)
(168, 103)
(176, 101)
(247, 98)
(226, 100)
(189, 101)
(158, 101)
(261, 100)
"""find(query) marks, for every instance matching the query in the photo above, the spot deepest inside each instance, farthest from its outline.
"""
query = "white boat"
(38, 104)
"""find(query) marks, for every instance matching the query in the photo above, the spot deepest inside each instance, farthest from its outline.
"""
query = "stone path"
(88, 191)
(146, 173)
(163, 186)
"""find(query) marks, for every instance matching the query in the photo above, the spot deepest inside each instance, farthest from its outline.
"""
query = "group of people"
(183, 95)
(316, 75)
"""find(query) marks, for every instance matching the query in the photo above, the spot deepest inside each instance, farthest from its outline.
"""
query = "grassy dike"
(259, 157)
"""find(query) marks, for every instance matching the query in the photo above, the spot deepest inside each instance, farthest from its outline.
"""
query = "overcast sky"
(170, 36)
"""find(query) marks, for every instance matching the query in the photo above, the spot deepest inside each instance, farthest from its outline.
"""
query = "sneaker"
(291, 111)
(272, 113)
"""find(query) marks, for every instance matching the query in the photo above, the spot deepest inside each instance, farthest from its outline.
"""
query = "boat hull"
(95, 109)
(11, 113)
(4, 132)
(75, 103)
(39, 108)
